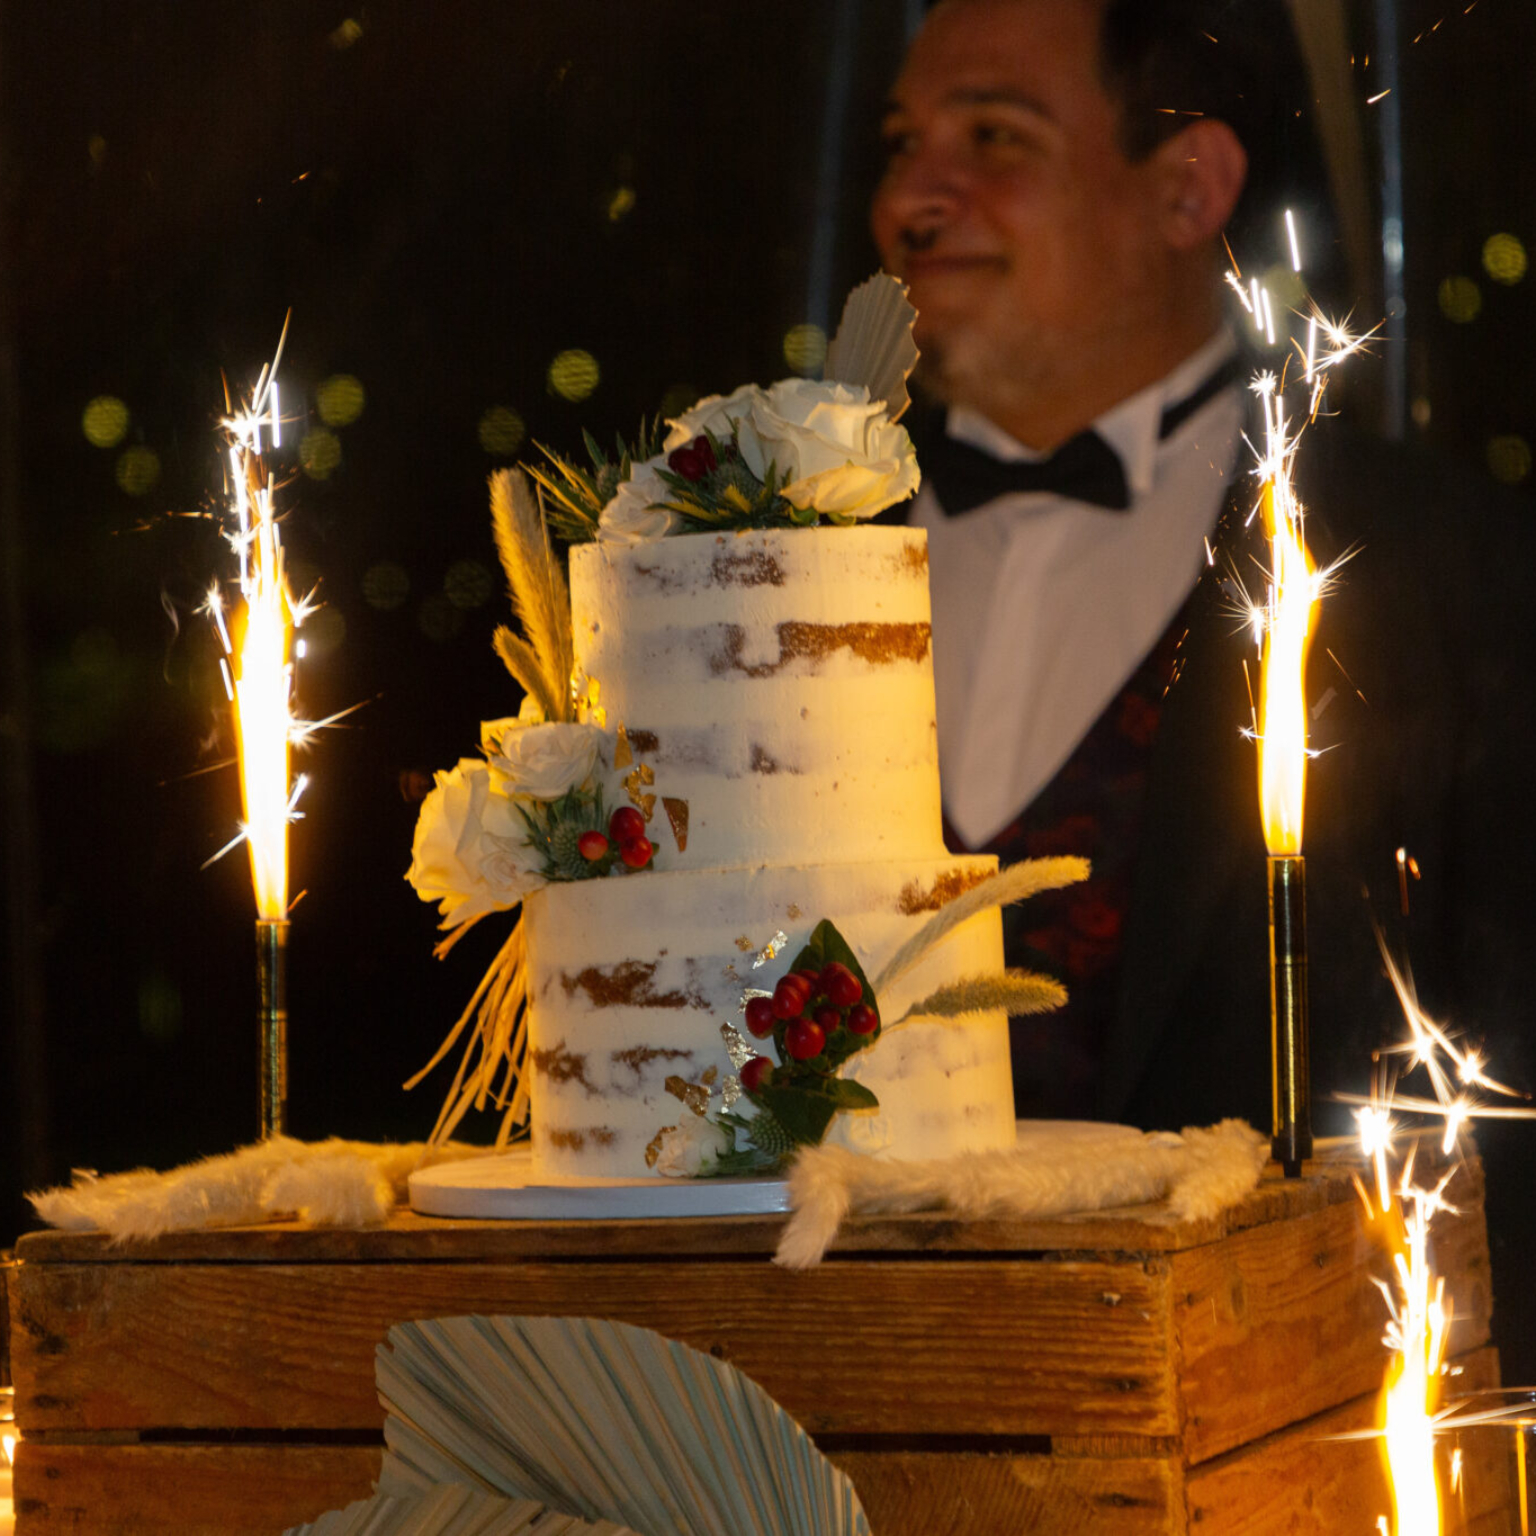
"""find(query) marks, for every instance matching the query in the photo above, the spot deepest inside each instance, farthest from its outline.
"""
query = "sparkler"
(258, 664)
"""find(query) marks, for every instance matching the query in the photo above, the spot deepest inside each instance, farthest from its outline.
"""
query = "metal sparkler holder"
(1290, 1062)
(272, 1022)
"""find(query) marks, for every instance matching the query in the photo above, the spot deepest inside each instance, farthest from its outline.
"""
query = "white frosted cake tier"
(631, 979)
(780, 682)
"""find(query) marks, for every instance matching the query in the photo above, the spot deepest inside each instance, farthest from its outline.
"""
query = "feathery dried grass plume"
(1010, 991)
(1007, 886)
(543, 662)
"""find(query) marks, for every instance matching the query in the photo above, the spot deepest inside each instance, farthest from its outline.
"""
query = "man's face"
(1028, 239)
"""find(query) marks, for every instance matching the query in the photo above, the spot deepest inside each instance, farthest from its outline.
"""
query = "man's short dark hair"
(1164, 61)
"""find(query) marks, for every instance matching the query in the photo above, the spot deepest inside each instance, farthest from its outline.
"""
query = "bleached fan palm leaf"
(1010, 991)
(606, 1421)
(1007, 886)
(451, 1509)
(874, 344)
(537, 587)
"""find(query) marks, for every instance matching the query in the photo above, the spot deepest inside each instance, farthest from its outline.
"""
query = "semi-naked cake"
(779, 684)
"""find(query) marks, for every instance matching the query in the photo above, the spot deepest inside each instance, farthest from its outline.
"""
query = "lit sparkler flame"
(258, 651)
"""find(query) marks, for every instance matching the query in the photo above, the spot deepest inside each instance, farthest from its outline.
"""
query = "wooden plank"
(1281, 1322)
(973, 1347)
(189, 1490)
(249, 1490)
(973, 1494)
(408, 1237)
(1299, 1483)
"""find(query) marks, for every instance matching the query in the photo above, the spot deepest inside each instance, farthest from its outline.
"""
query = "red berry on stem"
(626, 824)
(828, 1017)
(592, 846)
(760, 1016)
(788, 998)
(812, 980)
(862, 1019)
(844, 988)
(804, 1039)
(702, 447)
(687, 462)
(755, 1071)
(637, 852)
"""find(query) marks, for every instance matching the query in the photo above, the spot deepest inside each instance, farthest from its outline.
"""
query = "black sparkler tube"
(272, 1022)
(1290, 1062)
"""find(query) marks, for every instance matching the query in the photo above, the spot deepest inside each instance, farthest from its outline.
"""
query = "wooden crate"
(1116, 1373)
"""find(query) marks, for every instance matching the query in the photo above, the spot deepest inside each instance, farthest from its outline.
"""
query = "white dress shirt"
(1043, 606)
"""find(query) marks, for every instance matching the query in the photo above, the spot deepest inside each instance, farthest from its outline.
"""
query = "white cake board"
(502, 1188)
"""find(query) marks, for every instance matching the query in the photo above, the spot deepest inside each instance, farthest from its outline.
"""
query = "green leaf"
(594, 449)
(803, 1113)
(851, 1095)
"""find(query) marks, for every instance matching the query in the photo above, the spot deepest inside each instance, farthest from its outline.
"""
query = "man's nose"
(921, 193)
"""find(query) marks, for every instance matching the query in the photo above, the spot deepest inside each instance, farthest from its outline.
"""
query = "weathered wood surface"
(975, 1347)
(1297, 1483)
(408, 1237)
(1281, 1322)
(1345, 1481)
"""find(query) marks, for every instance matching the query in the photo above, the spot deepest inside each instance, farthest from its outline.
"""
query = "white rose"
(544, 761)
(492, 731)
(836, 449)
(692, 1148)
(633, 516)
(469, 852)
(721, 416)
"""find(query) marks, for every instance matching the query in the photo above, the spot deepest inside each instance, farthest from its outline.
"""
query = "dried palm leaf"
(451, 1510)
(606, 1421)
(1007, 886)
(874, 344)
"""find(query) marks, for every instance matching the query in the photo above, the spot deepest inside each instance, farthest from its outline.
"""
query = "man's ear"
(1203, 170)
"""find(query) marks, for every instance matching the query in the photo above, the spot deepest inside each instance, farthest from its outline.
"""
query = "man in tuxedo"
(1059, 177)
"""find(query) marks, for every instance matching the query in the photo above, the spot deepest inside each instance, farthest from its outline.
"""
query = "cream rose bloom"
(469, 854)
(543, 761)
(721, 416)
(692, 1148)
(835, 448)
(633, 517)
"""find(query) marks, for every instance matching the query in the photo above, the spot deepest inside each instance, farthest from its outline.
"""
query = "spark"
(1290, 229)
(1371, 101)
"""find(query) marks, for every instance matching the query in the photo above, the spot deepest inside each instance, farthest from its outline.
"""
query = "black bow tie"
(1085, 468)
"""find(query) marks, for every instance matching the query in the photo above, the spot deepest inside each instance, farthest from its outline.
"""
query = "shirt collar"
(1131, 428)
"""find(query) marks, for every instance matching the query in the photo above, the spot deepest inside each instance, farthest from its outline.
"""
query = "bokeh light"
(468, 584)
(677, 399)
(386, 585)
(805, 348)
(621, 203)
(323, 631)
(340, 400)
(1504, 258)
(1509, 458)
(1461, 299)
(137, 470)
(438, 619)
(502, 431)
(160, 1009)
(320, 453)
(574, 374)
(349, 32)
(1287, 290)
(104, 421)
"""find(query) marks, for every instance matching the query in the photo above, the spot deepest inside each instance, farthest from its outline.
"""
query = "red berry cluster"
(626, 828)
(812, 1006)
(693, 460)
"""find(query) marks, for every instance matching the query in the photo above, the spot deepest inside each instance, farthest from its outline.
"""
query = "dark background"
(449, 196)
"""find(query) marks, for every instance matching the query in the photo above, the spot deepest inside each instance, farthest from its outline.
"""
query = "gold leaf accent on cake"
(677, 814)
(736, 1046)
(730, 1093)
(585, 693)
(744, 944)
(694, 1095)
(877, 644)
(641, 774)
(622, 756)
(708, 1076)
(770, 949)
(952, 883)
(653, 1149)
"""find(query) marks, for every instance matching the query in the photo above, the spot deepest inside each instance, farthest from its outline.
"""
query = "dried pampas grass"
(1010, 991)
(540, 599)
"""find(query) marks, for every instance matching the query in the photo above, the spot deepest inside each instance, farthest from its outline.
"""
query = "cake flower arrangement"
(560, 794)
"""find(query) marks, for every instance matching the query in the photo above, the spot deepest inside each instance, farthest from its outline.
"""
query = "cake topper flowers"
(787, 454)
